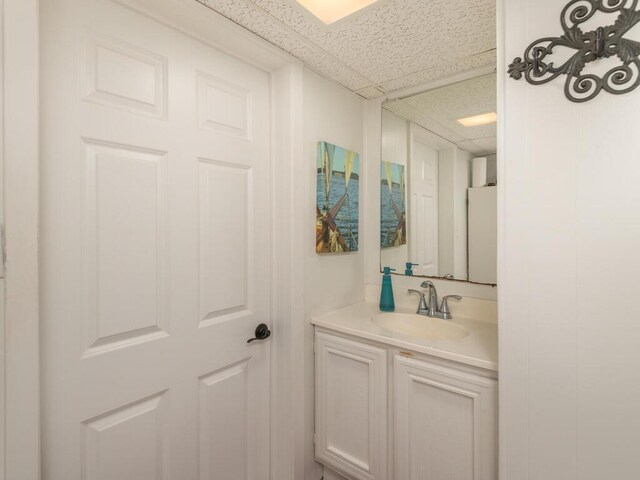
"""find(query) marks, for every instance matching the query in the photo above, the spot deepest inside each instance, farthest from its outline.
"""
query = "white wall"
(334, 114)
(492, 168)
(483, 234)
(446, 180)
(462, 183)
(395, 149)
(395, 138)
(569, 272)
(454, 168)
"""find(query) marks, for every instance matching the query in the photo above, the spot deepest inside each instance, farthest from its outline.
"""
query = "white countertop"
(479, 348)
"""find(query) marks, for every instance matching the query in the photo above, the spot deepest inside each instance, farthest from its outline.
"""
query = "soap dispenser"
(409, 268)
(386, 295)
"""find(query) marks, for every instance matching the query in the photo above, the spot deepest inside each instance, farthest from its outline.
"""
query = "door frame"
(20, 376)
(19, 142)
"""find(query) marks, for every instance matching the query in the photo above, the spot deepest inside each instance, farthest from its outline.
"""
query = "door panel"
(222, 457)
(224, 107)
(154, 234)
(224, 279)
(127, 443)
(124, 200)
(142, 90)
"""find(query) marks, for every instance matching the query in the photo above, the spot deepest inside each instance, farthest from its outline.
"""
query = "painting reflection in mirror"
(393, 212)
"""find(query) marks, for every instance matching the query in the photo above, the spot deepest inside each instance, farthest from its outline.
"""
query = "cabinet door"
(351, 406)
(445, 423)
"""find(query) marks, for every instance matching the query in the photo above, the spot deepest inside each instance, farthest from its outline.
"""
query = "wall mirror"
(438, 195)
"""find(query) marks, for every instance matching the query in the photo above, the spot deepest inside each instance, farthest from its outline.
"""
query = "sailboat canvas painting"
(337, 199)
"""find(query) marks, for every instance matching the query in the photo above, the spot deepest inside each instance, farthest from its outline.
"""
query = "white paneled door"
(424, 165)
(154, 251)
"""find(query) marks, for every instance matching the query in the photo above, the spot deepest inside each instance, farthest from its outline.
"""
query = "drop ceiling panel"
(439, 110)
(391, 45)
(489, 144)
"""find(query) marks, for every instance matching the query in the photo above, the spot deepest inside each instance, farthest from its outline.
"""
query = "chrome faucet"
(433, 298)
(431, 309)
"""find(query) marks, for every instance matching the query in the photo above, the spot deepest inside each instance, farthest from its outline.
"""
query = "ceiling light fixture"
(330, 11)
(479, 120)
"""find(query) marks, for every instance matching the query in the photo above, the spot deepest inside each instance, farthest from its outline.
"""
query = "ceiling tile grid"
(441, 71)
(391, 45)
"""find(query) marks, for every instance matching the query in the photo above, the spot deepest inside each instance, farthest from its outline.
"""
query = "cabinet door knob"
(262, 333)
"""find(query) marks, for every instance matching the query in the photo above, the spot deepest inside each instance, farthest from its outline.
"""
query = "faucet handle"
(455, 297)
(444, 309)
(423, 303)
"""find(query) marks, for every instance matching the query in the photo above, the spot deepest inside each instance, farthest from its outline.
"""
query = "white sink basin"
(419, 326)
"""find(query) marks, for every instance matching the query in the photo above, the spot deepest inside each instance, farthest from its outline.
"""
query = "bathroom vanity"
(402, 396)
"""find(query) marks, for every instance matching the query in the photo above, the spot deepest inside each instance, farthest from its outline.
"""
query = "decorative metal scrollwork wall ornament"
(538, 68)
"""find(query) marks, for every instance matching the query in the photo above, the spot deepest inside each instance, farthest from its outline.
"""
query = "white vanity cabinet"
(387, 414)
(351, 406)
(445, 422)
